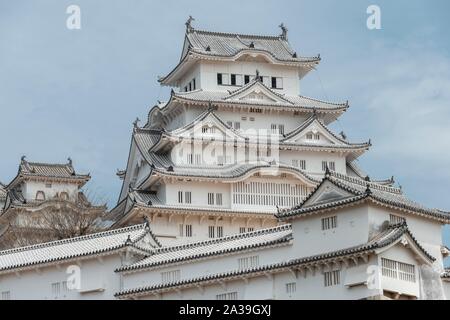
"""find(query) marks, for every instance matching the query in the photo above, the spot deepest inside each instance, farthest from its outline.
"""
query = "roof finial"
(146, 221)
(368, 191)
(128, 241)
(392, 179)
(367, 178)
(135, 123)
(257, 77)
(343, 135)
(69, 159)
(22, 158)
(284, 31)
(188, 24)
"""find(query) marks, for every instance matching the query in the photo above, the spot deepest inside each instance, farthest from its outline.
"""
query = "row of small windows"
(312, 136)
(215, 232)
(214, 199)
(226, 79)
(186, 230)
(227, 296)
(6, 295)
(187, 197)
(301, 164)
(40, 195)
(393, 219)
(332, 278)
(190, 86)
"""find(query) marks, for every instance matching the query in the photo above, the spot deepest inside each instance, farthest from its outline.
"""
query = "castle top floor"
(214, 61)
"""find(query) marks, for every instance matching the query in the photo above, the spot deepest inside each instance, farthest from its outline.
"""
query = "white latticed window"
(188, 197)
(398, 270)
(227, 296)
(268, 193)
(180, 196)
(248, 262)
(393, 219)
(218, 199)
(211, 232)
(332, 278)
(329, 223)
(299, 164)
(56, 289)
(170, 276)
(210, 198)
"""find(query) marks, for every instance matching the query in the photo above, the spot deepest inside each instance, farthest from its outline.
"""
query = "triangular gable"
(215, 128)
(327, 192)
(313, 132)
(256, 91)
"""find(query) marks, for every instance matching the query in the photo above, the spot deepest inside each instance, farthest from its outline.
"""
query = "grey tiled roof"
(98, 243)
(297, 102)
(209, 248)
(385, 238)
(363, 190)
(49, 170)
(230, 44)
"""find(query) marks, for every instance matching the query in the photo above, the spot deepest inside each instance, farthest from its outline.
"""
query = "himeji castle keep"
(236, 188)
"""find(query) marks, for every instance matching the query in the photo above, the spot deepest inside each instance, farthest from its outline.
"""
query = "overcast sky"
(76, 92)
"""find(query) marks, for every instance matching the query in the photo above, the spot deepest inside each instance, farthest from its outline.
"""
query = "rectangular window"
(180, 196)
(218, 199)
(279, 83)
(324, 166)
(332, 278)
(188, 232)
(291, 288)
(6, 295)
(302, 164)
(225, 79)
(219, 79)
(244, 118)
(237, 125)
(188, 197)
(274, 82)
(233, 79)
(211, 233)
(48, 185)
(266, 81)
(185, 89)
(246, 79)
(248, 262)
(398, 270)
(190, 86)
(329, 223)
(227, 296)
(64, 287)
(332, 165)
(210, 198)
(194, 84)
(56, 289)
(230, 124)
(241, 229)
(190, 158)
(309, 136)
(281, 128)
(393, 219)
(219, 232)
(252, 118)
(198, 159)
(273, 128)
(181, 230)
(250, 229)
(170, 276)
(317, 136)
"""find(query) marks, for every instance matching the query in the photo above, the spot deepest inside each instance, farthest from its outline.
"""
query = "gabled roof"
(210, 248)
(74, 248)
(356, 190)
(392, 235)
(36, 170)
(207, 45)
(298, 103)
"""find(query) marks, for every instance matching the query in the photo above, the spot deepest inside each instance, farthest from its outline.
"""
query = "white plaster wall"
(209, 70)
(30, 188)
(352, 229)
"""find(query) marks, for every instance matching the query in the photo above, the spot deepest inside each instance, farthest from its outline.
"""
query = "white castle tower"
(235, 142)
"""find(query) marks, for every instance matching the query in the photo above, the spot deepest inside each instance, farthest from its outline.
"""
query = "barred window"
(6, 295)
(180, 196)
(211, 232)
(170, 276)
(248, 262)
(210, 198)
(218, 199)
(329, 223)
(332, 278)
(291, 288)
(188, 197)
(227, 296)
(241, 229)
(219, 231)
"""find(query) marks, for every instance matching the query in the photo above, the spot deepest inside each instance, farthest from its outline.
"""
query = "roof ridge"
(74, 239)
(324, 101)
(227, 238)
(364, 183)
(231, 34)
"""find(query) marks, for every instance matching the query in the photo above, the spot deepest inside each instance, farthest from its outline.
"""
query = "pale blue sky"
(75, 93)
